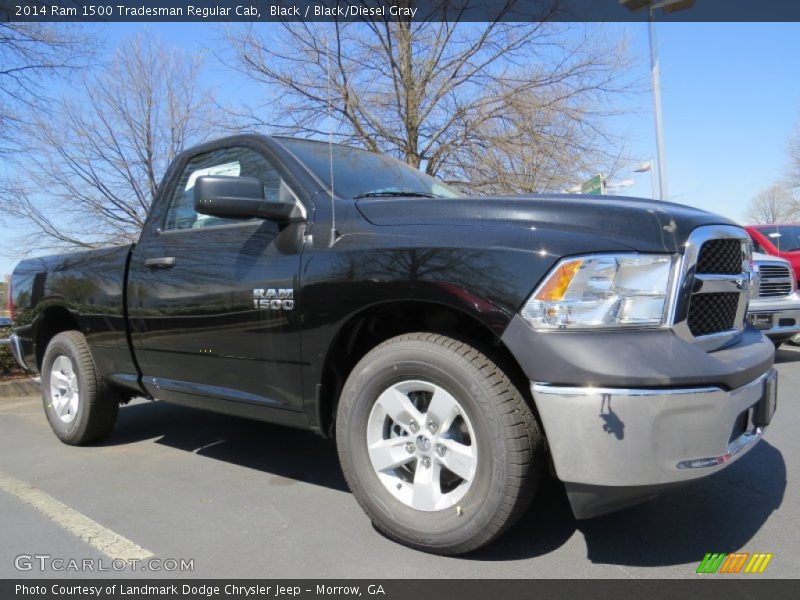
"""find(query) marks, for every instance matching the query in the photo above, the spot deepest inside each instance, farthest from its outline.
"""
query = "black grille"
(776, 280)
(720, 256)
(712, 313)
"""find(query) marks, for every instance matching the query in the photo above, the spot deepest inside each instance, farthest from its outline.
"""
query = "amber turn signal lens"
(557, 284)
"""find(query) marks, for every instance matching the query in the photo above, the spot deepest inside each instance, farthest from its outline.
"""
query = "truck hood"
(643, 225)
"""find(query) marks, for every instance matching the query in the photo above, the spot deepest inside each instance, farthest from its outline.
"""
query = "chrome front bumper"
(649, 437)
(16, 350)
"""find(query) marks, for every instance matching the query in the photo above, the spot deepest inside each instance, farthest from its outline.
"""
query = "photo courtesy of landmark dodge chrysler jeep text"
(456, 347)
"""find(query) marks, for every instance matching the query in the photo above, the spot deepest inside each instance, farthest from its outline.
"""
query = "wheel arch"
(51, 321)
(373, 325)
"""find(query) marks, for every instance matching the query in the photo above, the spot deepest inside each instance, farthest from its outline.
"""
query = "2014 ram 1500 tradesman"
(456, 347)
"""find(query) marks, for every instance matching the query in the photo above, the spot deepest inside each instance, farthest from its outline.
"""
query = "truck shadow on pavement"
(787, 354)
(289, 455)
(718, 514)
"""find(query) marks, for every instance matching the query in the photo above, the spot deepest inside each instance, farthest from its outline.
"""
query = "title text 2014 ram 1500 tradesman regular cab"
(456, 347)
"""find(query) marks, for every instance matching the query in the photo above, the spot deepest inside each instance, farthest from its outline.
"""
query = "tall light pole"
(668, 6)
(655, 72)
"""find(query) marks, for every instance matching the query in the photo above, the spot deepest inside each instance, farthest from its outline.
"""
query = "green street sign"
(594, 186)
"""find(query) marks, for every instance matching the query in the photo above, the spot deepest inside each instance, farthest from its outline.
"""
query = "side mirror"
(243, 197)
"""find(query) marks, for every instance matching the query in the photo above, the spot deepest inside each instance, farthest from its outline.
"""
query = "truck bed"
(87, 290)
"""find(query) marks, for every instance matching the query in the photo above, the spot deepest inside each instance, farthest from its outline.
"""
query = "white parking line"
(101, 538)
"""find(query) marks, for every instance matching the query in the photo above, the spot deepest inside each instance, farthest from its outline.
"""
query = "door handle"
(164, 262)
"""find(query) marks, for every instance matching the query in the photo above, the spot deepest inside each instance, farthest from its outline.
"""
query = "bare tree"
(774, 204)
(30, 54)
(794, 160)
(95, 158)
(537, 148)
(521, 96)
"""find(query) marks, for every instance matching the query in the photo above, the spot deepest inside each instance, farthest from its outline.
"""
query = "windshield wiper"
(393, 194)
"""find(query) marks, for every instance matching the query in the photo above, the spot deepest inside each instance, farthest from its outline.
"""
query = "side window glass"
(756, 246)
(232, 162)
(775, 237)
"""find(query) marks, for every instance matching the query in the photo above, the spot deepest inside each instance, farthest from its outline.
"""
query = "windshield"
(361, 174)
(785, 238)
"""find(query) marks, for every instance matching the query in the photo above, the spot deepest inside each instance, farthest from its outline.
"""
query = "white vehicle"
(775, 308)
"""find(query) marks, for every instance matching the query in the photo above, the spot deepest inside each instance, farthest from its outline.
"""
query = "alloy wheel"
(422, 445)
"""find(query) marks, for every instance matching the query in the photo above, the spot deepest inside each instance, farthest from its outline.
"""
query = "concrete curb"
(17, 388)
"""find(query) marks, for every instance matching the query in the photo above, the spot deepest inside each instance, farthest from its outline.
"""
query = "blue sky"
(730, 93)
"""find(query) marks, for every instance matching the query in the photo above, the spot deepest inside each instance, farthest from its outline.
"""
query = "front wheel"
(437, 444)
(78, 404)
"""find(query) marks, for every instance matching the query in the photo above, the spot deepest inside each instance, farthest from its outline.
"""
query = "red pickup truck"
(778, 240)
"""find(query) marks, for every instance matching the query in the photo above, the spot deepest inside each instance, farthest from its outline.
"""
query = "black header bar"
(702, 588)
(415, 10)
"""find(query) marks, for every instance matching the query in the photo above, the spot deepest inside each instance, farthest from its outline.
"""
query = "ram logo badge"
(274, 299)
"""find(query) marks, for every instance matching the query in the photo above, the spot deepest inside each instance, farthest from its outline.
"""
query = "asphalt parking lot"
(247, 499)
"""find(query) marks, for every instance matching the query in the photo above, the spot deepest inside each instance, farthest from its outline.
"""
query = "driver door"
(202, 333)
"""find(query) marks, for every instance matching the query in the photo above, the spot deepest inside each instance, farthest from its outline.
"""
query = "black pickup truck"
(457, 348)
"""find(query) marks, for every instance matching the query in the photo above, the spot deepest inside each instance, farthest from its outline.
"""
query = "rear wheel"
(438, 446)
(79, 406)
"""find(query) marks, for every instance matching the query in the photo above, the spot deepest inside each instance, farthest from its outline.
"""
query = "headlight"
(602, 291)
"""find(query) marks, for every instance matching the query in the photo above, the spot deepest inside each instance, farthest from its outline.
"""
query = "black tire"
(510, 443)
(97, 405)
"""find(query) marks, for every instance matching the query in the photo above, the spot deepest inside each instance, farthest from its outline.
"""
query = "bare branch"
(92, 163)
(794, 160)
(774, 204)
(494, 107)
(31, 54)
